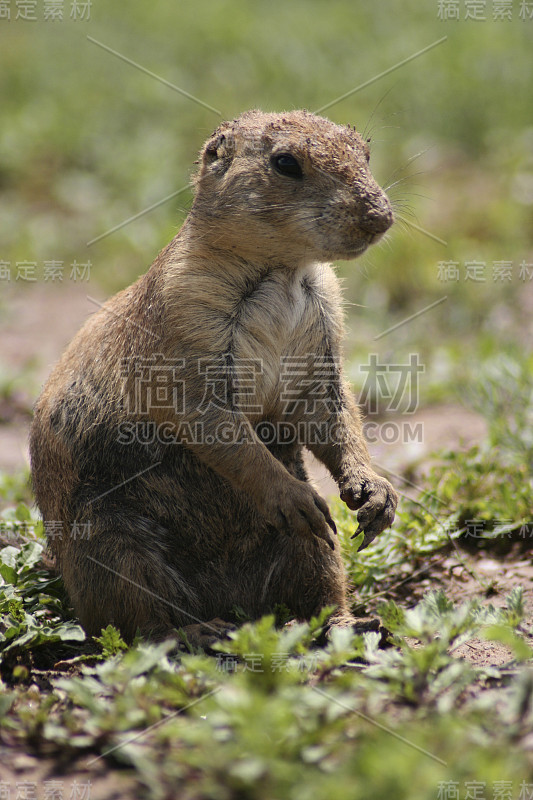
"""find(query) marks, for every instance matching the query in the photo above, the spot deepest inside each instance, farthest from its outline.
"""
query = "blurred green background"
(88, 141)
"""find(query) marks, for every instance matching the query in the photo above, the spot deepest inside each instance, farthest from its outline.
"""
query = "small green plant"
(288, 714)
(111, 642)
(32, 610)
(417, 533)
(481, 487)
(423, 669)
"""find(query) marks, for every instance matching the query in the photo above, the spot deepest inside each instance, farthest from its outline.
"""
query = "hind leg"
(305, 575)
(119, 574)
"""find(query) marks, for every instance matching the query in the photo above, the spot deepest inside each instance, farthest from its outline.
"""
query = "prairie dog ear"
(218, 148)
(214, 148)
(216, 155)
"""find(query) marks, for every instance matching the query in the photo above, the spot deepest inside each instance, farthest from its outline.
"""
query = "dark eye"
(287, 165)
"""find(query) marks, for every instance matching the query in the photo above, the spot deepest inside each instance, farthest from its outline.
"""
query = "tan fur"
(184, 532)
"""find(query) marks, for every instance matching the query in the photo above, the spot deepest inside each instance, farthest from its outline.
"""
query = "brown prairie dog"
(162, 431)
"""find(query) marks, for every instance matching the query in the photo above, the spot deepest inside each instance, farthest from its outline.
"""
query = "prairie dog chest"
(286, 319)
(277, 315)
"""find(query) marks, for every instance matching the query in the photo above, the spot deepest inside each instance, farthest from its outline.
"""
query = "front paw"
(295, 507)
(375, 500)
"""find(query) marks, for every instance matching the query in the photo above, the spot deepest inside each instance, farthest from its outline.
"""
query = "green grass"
(275, 716)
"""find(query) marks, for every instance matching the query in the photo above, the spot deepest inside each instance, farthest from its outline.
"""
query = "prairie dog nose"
(377, 217)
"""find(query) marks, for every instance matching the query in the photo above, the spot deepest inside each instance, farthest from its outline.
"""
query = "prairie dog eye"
(287, 165)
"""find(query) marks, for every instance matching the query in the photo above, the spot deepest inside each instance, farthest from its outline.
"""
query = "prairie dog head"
(289, 188)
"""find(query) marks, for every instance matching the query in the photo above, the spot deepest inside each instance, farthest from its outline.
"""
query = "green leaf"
(30, 553)
(70, 632)
(392, 616)
(515, 605)
(8, 573)
(9, 555)
(23, 513)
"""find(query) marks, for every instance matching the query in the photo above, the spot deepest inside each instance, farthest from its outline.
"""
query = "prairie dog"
(168, 440)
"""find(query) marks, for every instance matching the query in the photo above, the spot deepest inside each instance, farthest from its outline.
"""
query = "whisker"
(409, 161)
(404, 178)
(365, 133)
